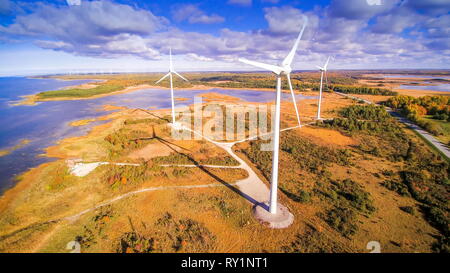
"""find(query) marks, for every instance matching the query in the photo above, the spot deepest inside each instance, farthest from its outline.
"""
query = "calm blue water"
(47, 122)
(401, 76)
(438, 87)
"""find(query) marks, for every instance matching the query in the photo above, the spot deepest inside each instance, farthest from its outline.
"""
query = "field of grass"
(347, 182)
(346, 185)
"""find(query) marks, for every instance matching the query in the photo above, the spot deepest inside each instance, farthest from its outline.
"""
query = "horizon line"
(218, 71)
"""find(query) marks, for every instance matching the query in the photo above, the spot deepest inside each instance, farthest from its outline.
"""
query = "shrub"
(364, 118)
(306, 154)
(170, 235)
(439, 219)
(408, 209)
(312, 241)
(304, 196)
(365, 112)
(355, 195)
(343, 220)
(442, 245)
(431, 127)
(363, 90)
(398, 187)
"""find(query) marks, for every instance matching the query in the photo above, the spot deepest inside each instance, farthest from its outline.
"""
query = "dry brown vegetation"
(332, 178)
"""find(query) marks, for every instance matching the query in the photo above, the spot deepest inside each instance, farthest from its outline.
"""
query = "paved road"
(436, 143)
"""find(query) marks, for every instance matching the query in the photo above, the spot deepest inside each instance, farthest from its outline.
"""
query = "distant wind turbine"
(172, 71)
(323, 71)
(284, 69)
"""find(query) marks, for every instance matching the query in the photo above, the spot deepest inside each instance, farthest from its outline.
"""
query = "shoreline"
(421, 92)
(32, 100)
(395, 84)
(57, 151)
(21, 144)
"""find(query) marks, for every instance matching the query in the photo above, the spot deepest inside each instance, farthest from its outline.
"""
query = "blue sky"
(38, 37)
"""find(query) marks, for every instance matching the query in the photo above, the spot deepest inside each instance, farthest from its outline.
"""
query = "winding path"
(251, 188)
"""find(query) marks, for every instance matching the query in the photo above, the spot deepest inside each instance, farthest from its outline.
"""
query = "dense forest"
(363, 90)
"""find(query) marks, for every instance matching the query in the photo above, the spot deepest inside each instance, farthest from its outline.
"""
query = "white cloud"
(73, 2)
(93, 20)
(286, 20)
(110, 30)
(132, 44)
(358, 9)
(395, 22)
(77, 28)
(192, 14)
(196, 57)
(438, 27)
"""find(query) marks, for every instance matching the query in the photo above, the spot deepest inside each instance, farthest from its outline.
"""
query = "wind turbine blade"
(320, 68)
(326, 64)
(275, 69)
(176, 73)
(293, 98)
(288, 60)
(326, 80)
(165, 76)
(170, 58)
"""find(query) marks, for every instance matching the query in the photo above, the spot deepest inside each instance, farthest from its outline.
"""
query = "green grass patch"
(81, 93)
(445, 128)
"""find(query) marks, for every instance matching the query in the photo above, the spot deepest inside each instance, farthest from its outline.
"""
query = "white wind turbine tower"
(169, 74)
(323, 71)
(284, 69)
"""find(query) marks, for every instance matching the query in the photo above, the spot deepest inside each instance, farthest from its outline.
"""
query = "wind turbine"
(172, 71)
(323, 71)
(284, 69)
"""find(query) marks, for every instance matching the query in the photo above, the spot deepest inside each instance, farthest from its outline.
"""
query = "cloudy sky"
(122, 35)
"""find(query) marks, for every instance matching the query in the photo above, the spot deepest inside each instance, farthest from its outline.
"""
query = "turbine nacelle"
(170, 74)
(171, 70)
(286, 70)
(324, 68)
(285, 67)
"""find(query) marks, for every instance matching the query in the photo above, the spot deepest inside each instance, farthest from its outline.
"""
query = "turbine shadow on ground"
(150, 113)
(205, 170)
